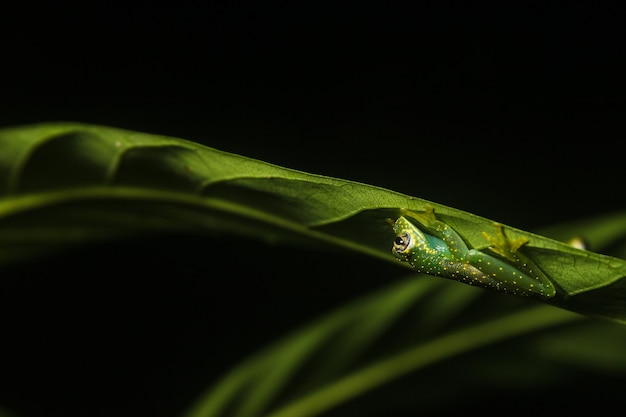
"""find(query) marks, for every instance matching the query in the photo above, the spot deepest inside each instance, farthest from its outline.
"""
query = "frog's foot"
(504, 246)
(426, 218)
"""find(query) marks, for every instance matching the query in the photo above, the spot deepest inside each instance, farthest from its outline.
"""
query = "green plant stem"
(436, 350)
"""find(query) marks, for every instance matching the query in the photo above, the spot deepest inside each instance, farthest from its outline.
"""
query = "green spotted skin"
(440, 251)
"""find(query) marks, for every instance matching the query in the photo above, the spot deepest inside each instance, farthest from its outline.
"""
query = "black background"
(515, 114)
(512, 113)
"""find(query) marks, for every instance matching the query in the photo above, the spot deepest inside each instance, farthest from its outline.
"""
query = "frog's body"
(439, 250)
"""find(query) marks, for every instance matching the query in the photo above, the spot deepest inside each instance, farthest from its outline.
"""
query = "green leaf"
(62, 184)
(361, 347)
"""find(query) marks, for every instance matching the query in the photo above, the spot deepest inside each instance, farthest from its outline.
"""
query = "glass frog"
(433, 247)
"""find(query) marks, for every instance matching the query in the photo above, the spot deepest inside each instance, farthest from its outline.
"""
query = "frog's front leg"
(457, 247)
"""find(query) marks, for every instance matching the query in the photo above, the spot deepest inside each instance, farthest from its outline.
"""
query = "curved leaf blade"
(64, 183)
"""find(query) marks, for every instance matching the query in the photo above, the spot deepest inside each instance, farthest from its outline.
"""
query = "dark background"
(515, 114)
(512, 113)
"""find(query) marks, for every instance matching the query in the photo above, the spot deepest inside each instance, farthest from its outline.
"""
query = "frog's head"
(407, 237)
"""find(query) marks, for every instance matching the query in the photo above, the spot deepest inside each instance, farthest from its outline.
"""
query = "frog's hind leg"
(515, 272)
(501, 275)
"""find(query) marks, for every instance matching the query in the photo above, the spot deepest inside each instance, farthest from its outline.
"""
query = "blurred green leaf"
(67, 183)
(414, 324)
(605, 234)
(5, 413)
(593, 345)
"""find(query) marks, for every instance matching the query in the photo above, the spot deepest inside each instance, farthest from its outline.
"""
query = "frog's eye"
(401, 242)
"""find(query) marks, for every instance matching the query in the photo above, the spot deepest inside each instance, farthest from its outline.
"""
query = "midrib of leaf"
(435, 350)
